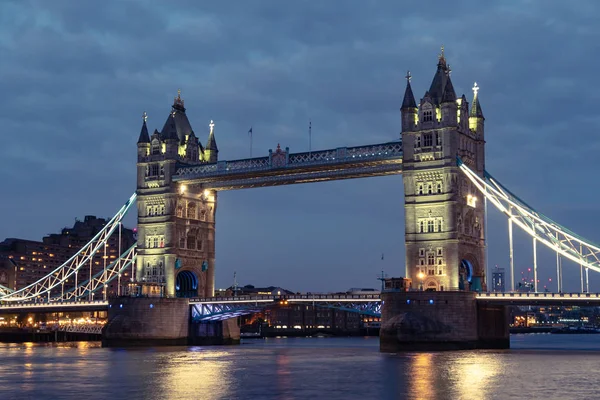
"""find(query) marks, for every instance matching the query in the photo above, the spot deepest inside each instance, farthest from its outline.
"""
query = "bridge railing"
(539, 295)
(58, 304)
(371, 297)
(380, 151)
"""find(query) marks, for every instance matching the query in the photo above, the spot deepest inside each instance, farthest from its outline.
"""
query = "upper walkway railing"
(282, 159)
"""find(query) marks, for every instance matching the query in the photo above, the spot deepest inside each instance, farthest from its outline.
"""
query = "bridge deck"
(283, 168)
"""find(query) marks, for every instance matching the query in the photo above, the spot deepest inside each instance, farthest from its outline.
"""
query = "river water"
(537, 366)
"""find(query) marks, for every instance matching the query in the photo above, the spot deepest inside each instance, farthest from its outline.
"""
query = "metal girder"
(70, 267)
(102, 278)
(553, 235)
(216, 308)
(282, 168)
(367, 170)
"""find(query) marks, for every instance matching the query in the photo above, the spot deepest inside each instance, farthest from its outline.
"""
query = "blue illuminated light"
(431, 301)
(151, 305)
(408, 301)
(120, 305)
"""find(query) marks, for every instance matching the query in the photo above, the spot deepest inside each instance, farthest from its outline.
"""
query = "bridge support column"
(146, 321)
(425, 321)
(215, 332)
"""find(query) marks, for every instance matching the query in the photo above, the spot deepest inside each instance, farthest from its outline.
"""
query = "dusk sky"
(75, 78)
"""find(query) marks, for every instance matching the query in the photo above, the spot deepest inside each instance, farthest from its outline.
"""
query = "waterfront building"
(498, 282)
(23, 262)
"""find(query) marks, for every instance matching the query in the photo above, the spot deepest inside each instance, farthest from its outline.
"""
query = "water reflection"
(421, 377)
(284, 384)
(473, 373)
(200, 373)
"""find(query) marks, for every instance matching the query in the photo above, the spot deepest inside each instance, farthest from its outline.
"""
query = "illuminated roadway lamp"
(182, 189)
(206, 192)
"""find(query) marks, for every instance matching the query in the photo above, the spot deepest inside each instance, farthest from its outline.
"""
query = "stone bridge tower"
(444, 213)
(176, 224)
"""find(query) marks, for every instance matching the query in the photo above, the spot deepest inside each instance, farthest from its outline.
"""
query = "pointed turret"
(449, 93)
(211, 149)
(436, 90)
(449, 106)
(144, 137)
(409, 98)
(177, 121)
(476, 115)
(408, 111)
(475, 107)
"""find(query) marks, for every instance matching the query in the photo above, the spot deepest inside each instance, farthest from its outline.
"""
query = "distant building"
(250, 290)
(398, 284)
(23, 262)
(498, 282)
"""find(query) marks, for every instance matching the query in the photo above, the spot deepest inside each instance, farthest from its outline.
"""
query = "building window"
(155, 148)
(420, 188)
(418, 141)
(422, 252)
(439, 251)
(430, 225)
(428, 116)
(421, 226)
(429, 188)
(154, 170)
(438, 187)
(200, 244)
(191, 242)
(427, 140)
(182, 242)
(430, 259)
(162, 209)
(421, 261)
(162, 241)
(438, 139)
(203, 215)
(191, 210)
(430, 272)
(180, 211)
(155, 240)
(440, 261)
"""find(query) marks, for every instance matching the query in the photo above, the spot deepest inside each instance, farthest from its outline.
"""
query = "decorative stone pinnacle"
(212, 126)
(145, 116)
(449, 71)
(441, 56)
(475, 89)
(408, 76)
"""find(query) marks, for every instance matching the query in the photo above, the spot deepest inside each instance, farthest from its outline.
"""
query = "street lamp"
(421, 275)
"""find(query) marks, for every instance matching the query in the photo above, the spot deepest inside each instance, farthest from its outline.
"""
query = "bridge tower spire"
(444, 217)
(176, 221)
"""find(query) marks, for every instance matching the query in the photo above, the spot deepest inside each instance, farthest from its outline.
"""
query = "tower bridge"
(441, 156)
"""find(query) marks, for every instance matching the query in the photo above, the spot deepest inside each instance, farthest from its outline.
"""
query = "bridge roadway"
(284, 168)
(365, 303)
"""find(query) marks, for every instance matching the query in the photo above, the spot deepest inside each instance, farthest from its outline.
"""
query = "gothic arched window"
(191, 210)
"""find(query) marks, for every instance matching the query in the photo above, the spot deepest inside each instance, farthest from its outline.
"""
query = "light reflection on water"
(538, 366)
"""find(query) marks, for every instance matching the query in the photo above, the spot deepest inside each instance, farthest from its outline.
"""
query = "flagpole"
(250, 132)
(309, 136)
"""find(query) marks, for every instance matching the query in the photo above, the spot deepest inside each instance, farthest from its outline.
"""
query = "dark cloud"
(76, 77)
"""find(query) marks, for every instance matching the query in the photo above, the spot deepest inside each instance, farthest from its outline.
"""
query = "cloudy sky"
(75, 78)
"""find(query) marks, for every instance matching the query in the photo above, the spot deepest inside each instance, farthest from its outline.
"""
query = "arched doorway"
(465, 274)
(186, 284)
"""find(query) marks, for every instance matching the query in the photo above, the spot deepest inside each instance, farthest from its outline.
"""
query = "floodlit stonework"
(176, 223)
(444, 213)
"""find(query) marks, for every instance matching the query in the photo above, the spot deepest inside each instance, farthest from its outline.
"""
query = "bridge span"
(220, 308)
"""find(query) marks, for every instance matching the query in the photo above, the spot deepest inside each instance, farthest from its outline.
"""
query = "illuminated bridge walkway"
(220, 308)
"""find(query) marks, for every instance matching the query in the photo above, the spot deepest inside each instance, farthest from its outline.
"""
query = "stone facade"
(444, 213)
(413, 321)
(176, 223)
